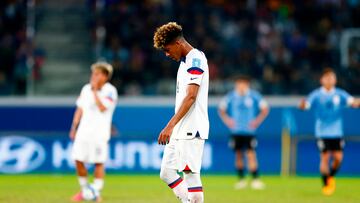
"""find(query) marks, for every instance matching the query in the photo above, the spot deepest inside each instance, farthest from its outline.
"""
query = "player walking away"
(328, 102)
(186, 132)
(91, 127)
(243, 110)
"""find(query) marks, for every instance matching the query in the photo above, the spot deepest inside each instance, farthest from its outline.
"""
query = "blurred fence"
(33, 138)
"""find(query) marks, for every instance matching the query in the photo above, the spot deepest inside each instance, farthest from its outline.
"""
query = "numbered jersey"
(193, 70)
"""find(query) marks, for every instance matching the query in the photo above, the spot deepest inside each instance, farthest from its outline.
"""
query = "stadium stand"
(12, 46)
(20, 59)
(271, 41)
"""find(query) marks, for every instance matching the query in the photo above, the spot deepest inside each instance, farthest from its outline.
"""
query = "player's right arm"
(302, 104)
(222, 110)
(75, 123)
(189, 100)
(78, 112)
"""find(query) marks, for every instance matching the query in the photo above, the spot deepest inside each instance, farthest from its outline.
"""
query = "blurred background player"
(91, 127)
(243, 110)
(186, 132)
(328, 102)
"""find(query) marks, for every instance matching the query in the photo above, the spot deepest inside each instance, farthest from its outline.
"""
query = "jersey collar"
(323, 90)
(242, 95)
(183, 59)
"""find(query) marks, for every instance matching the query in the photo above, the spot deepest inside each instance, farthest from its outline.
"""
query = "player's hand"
(95, 85)
(230, 123)
(164, 136)
(72, 134)
(254, 124)
(356, 103)
(302, 104)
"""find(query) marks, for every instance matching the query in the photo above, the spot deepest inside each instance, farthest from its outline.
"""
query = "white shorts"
(181, 153)
(89, 152)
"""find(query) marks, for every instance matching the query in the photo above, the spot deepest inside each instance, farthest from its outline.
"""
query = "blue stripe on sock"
(176, 181)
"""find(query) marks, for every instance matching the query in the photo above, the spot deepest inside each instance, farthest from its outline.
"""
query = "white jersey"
(95, 126)
(193, 70)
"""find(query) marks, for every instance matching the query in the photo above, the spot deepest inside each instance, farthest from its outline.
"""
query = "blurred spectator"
(16, 49)
(282, 44)
(273, 41)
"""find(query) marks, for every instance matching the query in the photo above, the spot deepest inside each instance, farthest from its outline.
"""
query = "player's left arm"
(264, 112)
(356, 103)
(350, 100)
(98, 101)
(353, 102)
(189, 100)
(105, 103)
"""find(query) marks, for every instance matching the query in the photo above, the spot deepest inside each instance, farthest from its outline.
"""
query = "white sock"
(181, 191)
(175, 182)
(196, 197)
(195, 190)
(83, 181)
(98, 183)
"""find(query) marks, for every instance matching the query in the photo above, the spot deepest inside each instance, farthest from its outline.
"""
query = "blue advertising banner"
(34, 139)
(52, 153)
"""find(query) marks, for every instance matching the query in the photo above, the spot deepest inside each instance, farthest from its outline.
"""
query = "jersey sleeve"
(80, 102)
(262, 103)
(109, 99)
(195, 69)
(346, 98)
(224, 103)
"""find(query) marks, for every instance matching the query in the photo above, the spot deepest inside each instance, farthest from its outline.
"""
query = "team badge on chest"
(248, 102)
(336, 100)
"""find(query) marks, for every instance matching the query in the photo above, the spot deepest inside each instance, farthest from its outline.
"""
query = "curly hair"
(165, 34)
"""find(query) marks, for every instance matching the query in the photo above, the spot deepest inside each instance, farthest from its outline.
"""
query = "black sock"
(324, 178)
(333, 171)
(241, 173)
(255, 174)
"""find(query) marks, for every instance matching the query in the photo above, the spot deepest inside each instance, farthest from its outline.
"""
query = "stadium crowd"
(19, 59)
(282, 45)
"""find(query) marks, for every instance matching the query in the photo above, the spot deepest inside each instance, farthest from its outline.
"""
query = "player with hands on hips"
(242, 111)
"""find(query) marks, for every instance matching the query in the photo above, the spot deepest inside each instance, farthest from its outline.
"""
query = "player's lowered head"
(169, 38)
(242, 84)
(328, 78)
(100, 73)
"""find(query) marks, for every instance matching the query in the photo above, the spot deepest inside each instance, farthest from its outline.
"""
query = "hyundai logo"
(20, 154)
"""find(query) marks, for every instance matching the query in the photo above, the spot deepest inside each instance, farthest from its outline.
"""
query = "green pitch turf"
(149, 189)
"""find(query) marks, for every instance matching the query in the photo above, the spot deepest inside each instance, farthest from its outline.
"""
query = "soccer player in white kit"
(91, 127)
(186, 132)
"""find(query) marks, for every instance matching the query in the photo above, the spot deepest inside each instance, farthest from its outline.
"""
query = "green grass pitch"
(149, 189)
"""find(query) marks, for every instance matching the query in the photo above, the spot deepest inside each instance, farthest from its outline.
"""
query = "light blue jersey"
(243, 109)
(328, 107)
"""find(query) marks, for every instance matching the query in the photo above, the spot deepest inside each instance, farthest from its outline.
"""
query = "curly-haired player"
(186, 132)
